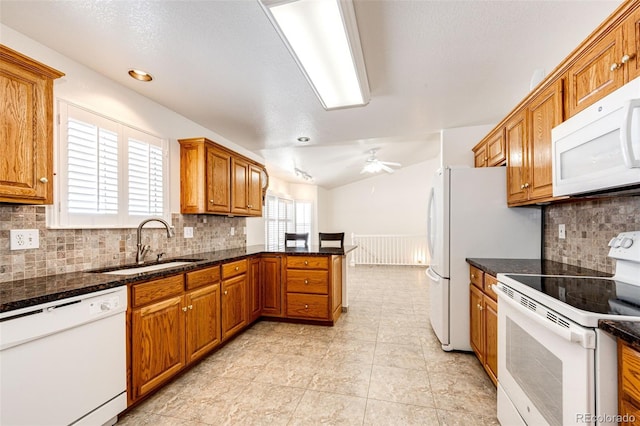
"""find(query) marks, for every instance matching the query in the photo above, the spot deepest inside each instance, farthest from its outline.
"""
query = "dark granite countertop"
(625, 330)
(34, 291)
(531, 266)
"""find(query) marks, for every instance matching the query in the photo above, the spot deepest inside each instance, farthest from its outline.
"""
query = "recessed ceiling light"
(303, 139)
(140, 75)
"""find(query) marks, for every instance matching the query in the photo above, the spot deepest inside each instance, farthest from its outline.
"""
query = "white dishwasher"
(64, 362)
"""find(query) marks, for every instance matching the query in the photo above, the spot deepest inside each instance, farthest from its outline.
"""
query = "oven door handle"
(583, 336)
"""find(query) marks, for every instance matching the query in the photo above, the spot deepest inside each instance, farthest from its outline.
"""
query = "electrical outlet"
(188, 232)
(562, 232)
(233, 231)
(23, 239)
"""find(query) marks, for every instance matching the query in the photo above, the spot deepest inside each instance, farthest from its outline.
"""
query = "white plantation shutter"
(92, 171)
(284, 215)
(145, 171)
(108, 174)
(303, 217)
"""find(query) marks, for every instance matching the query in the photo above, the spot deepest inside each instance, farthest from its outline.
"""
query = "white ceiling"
(431, 65)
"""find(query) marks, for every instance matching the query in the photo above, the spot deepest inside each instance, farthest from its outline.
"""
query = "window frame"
(58, 215)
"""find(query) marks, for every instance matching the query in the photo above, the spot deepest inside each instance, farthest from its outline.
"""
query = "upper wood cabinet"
(216, 180)
(26, 129)
(491, 151)
(606, 64)
(528, 137)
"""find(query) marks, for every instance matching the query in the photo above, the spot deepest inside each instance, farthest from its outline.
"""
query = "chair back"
(331, 239)
(295, 238)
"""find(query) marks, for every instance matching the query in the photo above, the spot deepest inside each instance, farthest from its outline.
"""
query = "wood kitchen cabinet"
(254, 290)
(174, 322)
(26, 129)
(311, 289)
(628, 382)
(491, 151)
(234, 298)
(271, 285)
(529, 149)
(215, 180)
(483, 326)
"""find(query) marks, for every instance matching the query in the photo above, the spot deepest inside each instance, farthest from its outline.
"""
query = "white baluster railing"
(389, 250)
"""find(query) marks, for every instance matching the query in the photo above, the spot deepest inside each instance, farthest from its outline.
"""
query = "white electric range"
(555, 366)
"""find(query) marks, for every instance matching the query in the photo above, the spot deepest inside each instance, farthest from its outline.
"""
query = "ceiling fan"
(373, 165)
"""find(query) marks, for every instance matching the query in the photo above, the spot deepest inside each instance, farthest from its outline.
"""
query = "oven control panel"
(626, 246)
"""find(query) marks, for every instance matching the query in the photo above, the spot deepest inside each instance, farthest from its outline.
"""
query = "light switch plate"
(23, 239)
(188, 232)
(562, 233)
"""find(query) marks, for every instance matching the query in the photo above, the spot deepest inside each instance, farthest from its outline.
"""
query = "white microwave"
(598, 149)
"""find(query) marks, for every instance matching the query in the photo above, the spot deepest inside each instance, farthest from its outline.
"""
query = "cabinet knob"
(211, 201)
(190, 306)
(306, 262)
(184, 309)
(237, 268)
(44, 180)
(225, 292)
(306, 281)
(306, 306)
(473, 275)
(526, 185)
(627, 58)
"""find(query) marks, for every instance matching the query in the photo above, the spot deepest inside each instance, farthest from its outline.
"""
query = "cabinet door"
(591, 77)
(480, 156)
(26, 133)
(491, 338)
(271, 283)
(203, 321)
(515, 134)
(218, 172)
(476, 325)
(544, 113)
(239, 186)
(496, 150)
(234, 305)
(336, 286)
(632, 45)
(254, 190)
(255, 294)
(157, 344)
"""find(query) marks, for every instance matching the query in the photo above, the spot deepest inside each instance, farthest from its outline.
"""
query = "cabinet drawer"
(152, 291)
(307, 306)
(232, 269)
(300, 281)
(490, 280)
(630, 372)
(203, 277)
(308, 262)
(476, 276)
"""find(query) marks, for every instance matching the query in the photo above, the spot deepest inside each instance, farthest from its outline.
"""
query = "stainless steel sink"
(141, 269)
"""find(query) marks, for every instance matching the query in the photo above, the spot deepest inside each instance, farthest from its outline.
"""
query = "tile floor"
(379, 365)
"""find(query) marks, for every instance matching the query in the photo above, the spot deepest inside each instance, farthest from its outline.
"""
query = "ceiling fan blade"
(390, 163)
(386, 168)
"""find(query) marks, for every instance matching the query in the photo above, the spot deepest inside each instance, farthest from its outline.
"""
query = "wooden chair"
(295, 238)
(332, 238)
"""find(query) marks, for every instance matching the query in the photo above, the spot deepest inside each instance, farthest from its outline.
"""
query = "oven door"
(545, 370)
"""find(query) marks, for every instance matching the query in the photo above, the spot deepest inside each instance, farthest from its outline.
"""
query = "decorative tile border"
(71, 250)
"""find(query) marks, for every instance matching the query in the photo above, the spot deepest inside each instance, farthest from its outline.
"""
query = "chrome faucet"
(144, 249)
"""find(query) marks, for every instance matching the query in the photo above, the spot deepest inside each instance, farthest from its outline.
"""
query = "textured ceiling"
(431, 65)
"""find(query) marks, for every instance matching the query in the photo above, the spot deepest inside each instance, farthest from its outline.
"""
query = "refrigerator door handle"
(432, 275)
(430, 223)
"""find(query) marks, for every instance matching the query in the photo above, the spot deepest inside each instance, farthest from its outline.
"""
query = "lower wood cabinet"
(254, 290)
(271, 285)
(483, 314)
(628, 383)
(234, 298)
(171, 327)
(312, 289)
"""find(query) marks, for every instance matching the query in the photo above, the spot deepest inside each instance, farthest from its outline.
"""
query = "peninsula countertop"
(29, 292)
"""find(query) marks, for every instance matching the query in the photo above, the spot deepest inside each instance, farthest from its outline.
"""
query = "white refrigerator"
(468, 217)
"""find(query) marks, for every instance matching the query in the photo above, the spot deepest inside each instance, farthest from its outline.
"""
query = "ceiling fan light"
(322, 36)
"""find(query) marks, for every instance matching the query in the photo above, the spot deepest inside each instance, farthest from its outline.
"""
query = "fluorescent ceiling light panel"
(322, 36)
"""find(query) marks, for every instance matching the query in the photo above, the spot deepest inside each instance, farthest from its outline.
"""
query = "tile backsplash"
(70, 250)
(590, 224)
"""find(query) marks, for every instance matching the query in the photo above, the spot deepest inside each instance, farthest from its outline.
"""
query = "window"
(284, 215)
(108, 174)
